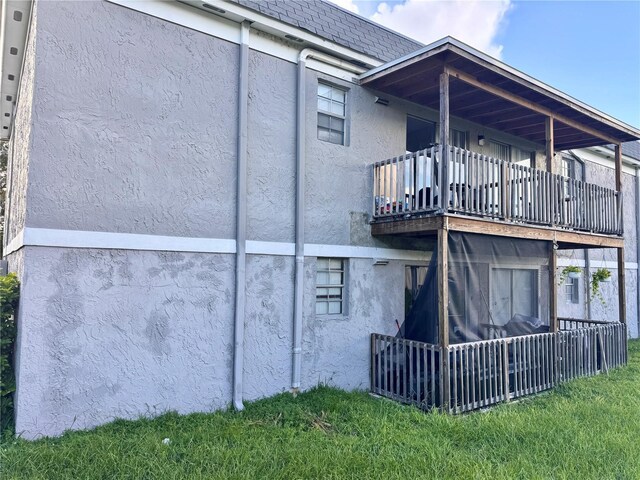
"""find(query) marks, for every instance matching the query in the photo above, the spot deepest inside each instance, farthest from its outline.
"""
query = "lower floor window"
(330, 286)
(571, 290)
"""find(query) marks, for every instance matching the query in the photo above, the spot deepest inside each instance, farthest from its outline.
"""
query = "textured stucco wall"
(336, 349)
(605, 176)
(135, 127)
(18, 161)
(130, 137)
(108, 334)
(268, 325)
(271, 145)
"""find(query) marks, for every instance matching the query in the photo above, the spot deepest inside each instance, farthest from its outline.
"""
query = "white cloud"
(347, 5)
(475, 22)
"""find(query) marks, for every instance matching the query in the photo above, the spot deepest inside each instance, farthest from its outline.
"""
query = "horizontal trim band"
(46, 237)
(610, 264)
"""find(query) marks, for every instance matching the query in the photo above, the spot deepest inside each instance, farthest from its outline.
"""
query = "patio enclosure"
(483, 373)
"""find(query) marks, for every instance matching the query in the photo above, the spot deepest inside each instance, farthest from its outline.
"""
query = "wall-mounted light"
(480, 140)
(380, 261)
(382, 101)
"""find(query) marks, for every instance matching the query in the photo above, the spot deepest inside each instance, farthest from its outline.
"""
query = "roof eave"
(16, 18)
(453, 45)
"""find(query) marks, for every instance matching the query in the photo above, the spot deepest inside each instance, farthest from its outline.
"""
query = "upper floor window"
(572, 168)
(421, 133)
(504, 151)
(332, 102)
(458, 138)
(499, 150)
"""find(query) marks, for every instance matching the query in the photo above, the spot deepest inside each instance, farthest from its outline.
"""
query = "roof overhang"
(495, 95)
(16, 15)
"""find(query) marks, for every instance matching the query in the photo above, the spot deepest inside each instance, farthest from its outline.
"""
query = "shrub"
(9, 292)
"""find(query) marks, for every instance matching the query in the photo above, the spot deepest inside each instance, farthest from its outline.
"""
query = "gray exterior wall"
(128, 137)
(17, 164)
(143, 136)
(108, 333)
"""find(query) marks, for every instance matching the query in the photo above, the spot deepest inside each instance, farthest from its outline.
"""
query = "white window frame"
(323, 296)
(572, 290)
(332, 115)
(571, 164)
(541, 312)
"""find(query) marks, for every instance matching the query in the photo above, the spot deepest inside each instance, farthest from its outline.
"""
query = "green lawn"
(589, 428)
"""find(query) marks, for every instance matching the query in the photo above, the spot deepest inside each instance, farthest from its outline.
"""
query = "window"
(513, 291)
(414, 278)
(572, 290)
(458, 138)
(499, 150)
(330, 286)
(507, 152)
(522, 157)
(331, 113)
(421, 134)
(572, 168)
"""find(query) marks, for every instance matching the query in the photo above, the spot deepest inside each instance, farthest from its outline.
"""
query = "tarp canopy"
(498, 286)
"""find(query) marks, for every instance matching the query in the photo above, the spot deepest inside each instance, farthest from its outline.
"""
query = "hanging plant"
(571, 271)
(601, 275)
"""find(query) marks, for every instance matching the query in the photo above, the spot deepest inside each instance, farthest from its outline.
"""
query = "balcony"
(408, 187)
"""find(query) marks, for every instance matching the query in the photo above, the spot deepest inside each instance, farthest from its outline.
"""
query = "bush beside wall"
(9, 293)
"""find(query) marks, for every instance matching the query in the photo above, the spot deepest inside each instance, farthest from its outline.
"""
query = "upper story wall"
(135, 130)
(133, 124)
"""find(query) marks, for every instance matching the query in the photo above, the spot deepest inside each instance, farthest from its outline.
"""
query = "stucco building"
(191, 197)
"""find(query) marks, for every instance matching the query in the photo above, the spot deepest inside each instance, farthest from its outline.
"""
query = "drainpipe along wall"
(638, 247)
(300, 192)
(241, 217)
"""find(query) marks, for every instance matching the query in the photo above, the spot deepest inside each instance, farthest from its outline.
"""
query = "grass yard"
(587, 429)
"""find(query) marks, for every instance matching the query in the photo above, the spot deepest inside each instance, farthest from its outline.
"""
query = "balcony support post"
(443, 196)
(553, 288)
(548, 123)
(622, 298)
(443, 313)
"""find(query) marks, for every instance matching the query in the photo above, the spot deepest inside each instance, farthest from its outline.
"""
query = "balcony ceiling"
(496, 96)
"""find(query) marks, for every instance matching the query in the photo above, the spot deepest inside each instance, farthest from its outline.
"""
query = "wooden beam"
(443, 315)
(425, 226)
(444, 137)
(403, 65)
(553, 289)
(618, 156)
(622, 294)
(529, 122)
(549, 143)
(428, 226)
(475, 113)
(430, 70)
(525, 103)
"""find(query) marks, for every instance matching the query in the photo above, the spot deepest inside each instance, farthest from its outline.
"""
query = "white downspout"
(241, 218)
(638, 248)
(298, 306)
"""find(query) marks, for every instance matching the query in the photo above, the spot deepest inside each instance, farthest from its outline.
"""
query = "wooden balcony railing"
(487, 372)
(483, 186)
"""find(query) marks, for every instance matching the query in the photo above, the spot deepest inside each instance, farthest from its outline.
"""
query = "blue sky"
(589, 50)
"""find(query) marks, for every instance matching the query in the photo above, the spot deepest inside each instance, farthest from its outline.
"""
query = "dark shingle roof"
(338, 25)
(629, 149)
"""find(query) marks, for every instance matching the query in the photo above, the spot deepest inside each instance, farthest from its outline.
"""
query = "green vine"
(599, 276)
(566, 271)
(9, 291)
